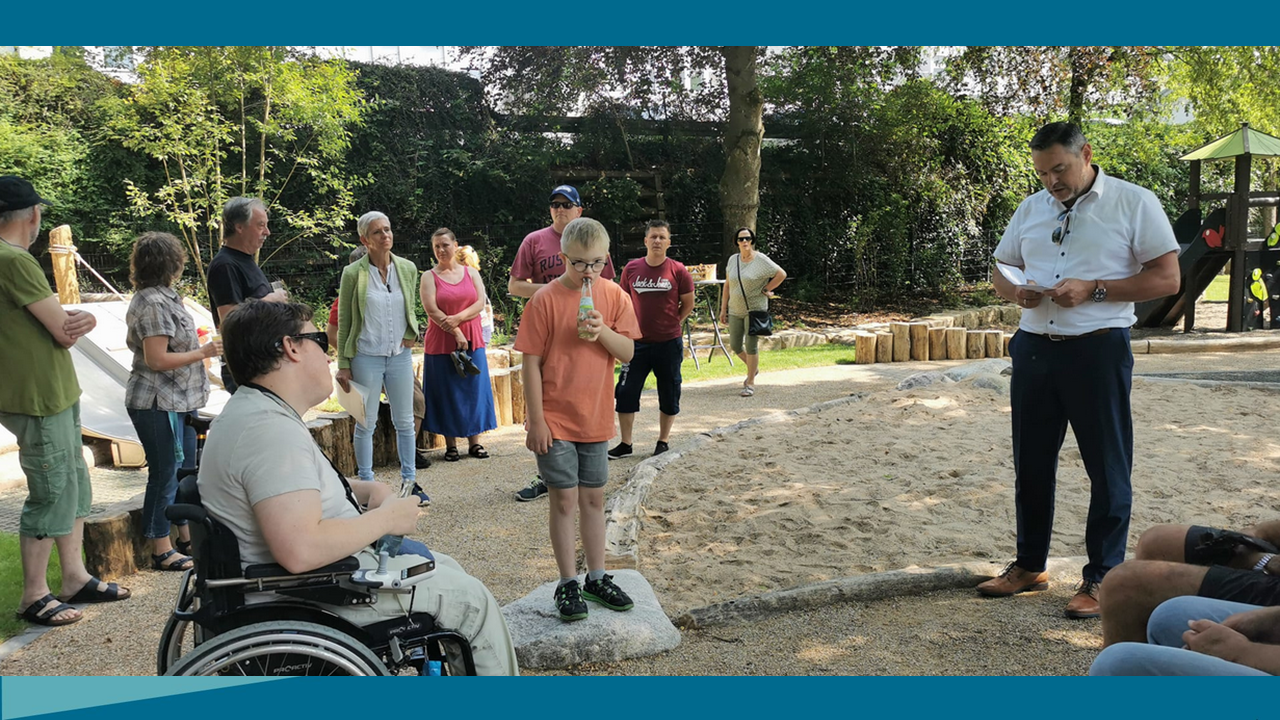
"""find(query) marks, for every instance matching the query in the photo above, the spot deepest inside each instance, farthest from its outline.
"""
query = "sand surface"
(925, 477)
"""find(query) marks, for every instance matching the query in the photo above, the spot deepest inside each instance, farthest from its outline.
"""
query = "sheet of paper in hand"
(1015, 276)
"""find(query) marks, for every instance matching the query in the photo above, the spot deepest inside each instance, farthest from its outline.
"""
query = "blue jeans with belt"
(1084, 382)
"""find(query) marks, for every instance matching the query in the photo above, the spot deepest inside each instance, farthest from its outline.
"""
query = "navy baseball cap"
(17, 194)
(569, 192)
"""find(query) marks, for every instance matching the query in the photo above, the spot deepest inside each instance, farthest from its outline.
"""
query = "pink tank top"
(452, 299)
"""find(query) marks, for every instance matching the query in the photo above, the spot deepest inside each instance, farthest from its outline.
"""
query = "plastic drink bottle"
(585, 306)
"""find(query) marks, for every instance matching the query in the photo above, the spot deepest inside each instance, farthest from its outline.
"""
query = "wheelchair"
(213, 631)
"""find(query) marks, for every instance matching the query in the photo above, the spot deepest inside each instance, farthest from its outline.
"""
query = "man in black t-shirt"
(233, 274)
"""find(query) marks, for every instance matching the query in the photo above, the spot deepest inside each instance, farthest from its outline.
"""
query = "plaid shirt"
(158, 311)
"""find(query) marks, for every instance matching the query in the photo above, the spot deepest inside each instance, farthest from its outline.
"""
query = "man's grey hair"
(238, 211)
(1068, 135)
(20, 215)
(367, 219)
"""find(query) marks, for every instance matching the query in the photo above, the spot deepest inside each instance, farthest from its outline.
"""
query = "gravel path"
(503, 542)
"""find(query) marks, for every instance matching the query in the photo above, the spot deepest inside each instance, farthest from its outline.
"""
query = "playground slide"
(102, 361)
(1199, 261)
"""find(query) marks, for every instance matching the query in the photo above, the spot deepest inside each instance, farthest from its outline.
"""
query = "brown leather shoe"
(1085, 602)
(1014, 580)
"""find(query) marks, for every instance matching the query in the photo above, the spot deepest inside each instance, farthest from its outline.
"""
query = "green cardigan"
(351, 303)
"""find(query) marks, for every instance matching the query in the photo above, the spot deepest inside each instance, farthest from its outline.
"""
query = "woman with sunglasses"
(751, 278)
(377, 327)
(455, 371)
(167, 381)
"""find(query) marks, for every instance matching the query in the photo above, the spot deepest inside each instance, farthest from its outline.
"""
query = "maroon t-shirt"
(538, 258)
(655, 295)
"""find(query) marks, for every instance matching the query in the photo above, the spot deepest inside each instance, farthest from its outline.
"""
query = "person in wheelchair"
(263, 477)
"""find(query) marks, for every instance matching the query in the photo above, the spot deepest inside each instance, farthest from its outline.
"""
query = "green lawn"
(11, 585)
(770, 360)
(1218, 290)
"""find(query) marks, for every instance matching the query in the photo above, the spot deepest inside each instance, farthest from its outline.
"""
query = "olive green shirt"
(39, 377)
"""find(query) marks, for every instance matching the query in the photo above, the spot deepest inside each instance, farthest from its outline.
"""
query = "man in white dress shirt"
(1097, 245)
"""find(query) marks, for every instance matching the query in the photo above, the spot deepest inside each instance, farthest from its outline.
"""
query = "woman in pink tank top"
(455, 372)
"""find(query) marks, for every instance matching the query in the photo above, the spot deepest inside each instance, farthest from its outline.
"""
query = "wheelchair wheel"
(278, 649)
(177, 639)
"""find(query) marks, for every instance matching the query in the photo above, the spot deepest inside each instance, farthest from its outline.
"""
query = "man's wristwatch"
(1099, 291)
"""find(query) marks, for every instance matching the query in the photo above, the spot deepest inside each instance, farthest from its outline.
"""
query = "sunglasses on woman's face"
(744, 238)
(319, 338)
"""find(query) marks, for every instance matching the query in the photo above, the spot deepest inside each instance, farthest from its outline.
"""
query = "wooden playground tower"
(1208, 243)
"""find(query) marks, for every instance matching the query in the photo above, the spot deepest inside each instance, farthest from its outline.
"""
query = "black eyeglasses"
(1061, 232)
(747, 238)
(585, 266)
(562, 205)
(319, 338)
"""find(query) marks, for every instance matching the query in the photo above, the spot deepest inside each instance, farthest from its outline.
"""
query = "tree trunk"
(1077, 61)
(743, 133)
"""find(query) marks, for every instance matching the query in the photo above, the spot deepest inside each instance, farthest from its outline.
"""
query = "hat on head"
(569, 192)
(17, 194)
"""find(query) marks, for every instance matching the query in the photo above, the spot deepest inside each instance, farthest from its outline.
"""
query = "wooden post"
(501, 376)
(864, 346)
(64, 265)
(956, 348)
(108, 546)
(517, 387)
(1007, 338)
(919, 332)
(937, 343)
(884, 346)
(977, 344)
(901, 341)
(995, 343)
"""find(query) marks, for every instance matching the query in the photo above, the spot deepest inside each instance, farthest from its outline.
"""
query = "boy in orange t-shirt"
(568, 387)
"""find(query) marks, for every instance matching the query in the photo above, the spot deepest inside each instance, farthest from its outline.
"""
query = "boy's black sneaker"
(569, 602)
(660, 448)
(621, 451)
(607, 594)
(535, 490)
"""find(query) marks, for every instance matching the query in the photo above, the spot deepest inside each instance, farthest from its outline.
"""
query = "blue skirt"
(457, 406)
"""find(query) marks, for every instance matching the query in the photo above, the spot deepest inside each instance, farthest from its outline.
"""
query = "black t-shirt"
(233, 278)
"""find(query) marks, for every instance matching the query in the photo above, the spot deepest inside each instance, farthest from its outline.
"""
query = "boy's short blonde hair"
(585, 234)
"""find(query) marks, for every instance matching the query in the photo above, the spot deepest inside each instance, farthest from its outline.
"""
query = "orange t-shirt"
(577, 375)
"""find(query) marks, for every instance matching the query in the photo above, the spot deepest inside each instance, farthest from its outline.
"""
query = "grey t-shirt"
(259, 448)
(755, 275)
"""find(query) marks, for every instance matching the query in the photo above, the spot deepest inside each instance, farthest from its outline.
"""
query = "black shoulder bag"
(759, 323)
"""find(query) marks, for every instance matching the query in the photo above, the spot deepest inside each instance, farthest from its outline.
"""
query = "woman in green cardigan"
(377, 327)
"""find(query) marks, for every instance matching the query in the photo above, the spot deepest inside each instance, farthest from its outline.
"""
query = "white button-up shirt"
(384, 320)
(1113, 229)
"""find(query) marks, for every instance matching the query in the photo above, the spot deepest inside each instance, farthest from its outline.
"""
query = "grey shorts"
(571, 464)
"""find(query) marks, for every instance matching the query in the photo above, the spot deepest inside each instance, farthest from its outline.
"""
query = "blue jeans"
(1164, 655)
(155, 432)
(395, 374)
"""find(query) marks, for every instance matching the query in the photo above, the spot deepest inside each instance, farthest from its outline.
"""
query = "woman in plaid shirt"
(168, 381)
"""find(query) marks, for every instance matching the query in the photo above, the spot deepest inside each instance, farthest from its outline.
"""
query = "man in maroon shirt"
(537, 263)
(662, 294)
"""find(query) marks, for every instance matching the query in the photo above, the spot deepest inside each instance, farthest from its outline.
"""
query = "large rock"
(993, 366)
(991, 381)
(544, 642)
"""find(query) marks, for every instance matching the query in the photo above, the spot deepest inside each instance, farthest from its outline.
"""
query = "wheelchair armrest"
(271, 570)
(182, 512)
(184, 473)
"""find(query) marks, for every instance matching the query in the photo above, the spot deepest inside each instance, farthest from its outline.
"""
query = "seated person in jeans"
(1173, 560)
(1200, 636)
(264, 477)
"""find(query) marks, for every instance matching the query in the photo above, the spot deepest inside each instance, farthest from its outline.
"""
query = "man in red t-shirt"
(661, 292)
(538, 262)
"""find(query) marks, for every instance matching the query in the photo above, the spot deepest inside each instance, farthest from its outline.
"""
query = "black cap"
(17, 194)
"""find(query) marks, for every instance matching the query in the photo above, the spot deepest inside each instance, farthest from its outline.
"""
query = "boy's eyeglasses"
(584, 266)
(562, 205)
(1061, 232)
(319, 338)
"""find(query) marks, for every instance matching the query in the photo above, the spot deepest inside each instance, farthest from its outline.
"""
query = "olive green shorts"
(58, 489)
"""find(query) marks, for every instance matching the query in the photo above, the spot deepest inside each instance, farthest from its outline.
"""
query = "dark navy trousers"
(1084, 382)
